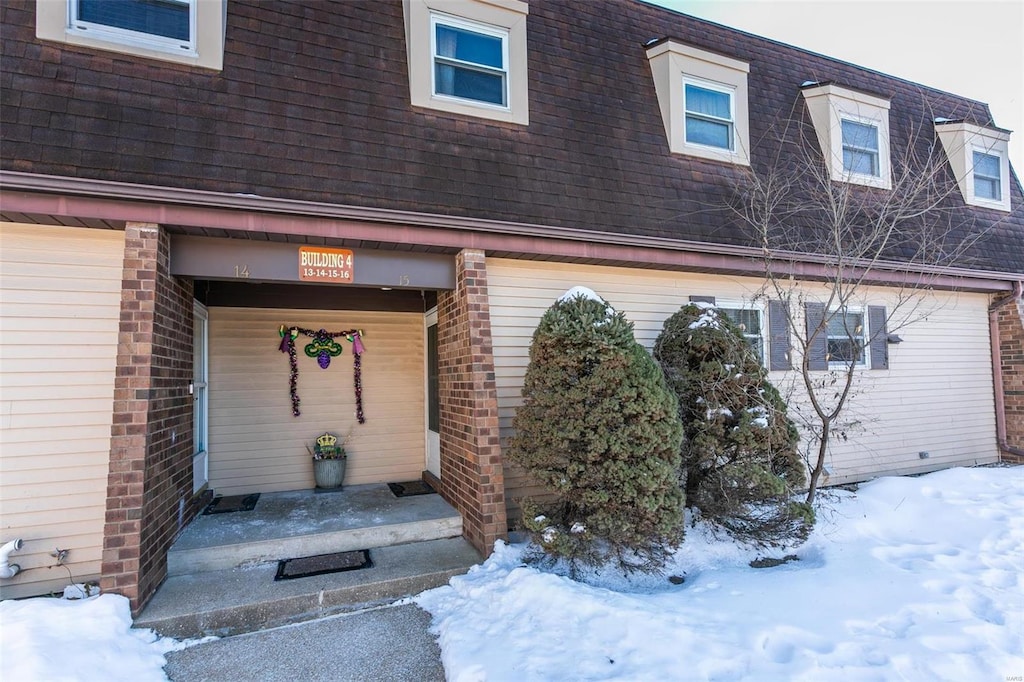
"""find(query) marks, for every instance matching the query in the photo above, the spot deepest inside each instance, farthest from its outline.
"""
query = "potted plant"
(329, 460)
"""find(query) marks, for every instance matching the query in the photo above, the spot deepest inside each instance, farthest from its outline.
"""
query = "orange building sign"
(321, 264)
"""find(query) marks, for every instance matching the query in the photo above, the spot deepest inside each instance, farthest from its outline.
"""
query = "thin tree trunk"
(819, 464)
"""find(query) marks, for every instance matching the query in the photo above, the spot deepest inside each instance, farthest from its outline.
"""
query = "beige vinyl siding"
(936, 397)
(60, 293)
(255, 443)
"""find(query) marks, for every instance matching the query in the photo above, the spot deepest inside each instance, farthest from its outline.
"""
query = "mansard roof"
(313, 104)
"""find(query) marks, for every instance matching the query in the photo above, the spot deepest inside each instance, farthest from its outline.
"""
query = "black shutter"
(878, 344)
(817, 350)
(778, 336)
(703, 299)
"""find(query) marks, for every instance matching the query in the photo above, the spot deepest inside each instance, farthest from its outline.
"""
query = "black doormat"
(232, 503)
(323, 563)
(409, 488)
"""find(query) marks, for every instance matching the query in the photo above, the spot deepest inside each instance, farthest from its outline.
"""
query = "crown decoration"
(327, 440)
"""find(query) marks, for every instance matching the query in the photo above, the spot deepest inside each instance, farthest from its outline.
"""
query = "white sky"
(973, 49)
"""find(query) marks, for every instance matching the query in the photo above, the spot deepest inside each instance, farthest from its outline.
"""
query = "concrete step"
(299, 524)
(239, 600)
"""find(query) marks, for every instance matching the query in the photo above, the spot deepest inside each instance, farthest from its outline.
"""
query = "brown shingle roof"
(313, 104)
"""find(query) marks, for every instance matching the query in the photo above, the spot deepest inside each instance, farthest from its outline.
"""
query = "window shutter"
(878, 345)
(778, 336)
(703, 299)
(817, 351)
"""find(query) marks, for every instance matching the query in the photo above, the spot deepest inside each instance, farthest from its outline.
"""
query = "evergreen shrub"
(740, 454)
(600, 429)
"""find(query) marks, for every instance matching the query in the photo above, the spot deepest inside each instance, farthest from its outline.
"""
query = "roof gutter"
(26, 193)
(997, 368)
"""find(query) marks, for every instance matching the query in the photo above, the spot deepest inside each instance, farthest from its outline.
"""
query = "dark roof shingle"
(313, 104)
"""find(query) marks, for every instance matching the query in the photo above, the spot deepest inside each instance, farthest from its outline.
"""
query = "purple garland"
(357, 373)
(323, 348)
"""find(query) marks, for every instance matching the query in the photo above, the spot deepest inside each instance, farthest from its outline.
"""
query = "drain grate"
(409, 488)
(232, 503)
(320, 564)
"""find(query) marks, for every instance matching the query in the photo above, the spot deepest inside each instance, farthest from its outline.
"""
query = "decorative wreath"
(323, 347)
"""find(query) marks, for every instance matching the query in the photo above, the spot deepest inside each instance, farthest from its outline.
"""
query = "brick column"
(149, 484)
(472, 478)
(1010, 319)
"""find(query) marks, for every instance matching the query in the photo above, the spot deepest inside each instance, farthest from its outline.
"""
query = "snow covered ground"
(905, 579)
(58, 640)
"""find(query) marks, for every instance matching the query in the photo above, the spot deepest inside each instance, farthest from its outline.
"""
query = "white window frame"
(975, 175)
(673, 64)
(876, 153)
(864, 337)
(474, 27)
(137, 38)
(205, 49)
(730, 122)
(762, 314)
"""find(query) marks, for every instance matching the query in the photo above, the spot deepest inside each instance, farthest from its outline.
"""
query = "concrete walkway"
(379, 645)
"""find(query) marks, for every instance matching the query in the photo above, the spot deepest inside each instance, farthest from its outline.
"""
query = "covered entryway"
(283, 362)
(267, 403)
(258, 443)
(266, 410)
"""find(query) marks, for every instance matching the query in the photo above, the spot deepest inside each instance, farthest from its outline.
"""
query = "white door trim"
(433, 446)
(199, 388)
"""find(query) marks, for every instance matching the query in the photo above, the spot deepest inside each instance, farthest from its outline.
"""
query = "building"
(180, 189)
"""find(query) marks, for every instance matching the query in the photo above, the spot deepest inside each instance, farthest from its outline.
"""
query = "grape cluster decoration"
(323, 347)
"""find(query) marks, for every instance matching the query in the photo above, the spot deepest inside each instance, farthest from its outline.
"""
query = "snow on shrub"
(740, 458)
(600, 430)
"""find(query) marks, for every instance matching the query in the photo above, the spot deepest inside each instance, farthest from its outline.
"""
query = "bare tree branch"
(793, 208)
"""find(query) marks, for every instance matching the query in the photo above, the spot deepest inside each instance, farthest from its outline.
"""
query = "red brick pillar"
(149, 483)
(123, 522)
(472, 477)
(1010, 319)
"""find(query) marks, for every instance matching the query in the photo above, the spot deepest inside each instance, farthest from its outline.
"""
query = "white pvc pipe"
(9, 570)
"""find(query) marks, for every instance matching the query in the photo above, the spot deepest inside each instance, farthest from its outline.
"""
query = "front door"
(200, 366)
(433, 397)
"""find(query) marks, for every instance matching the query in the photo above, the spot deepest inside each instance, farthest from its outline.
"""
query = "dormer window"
(703, 100)
(852, 128)
(468, 58)
(987, 184)
(189, 32)
(709, 114)
(470, 61)
(980, 159)
(860, 148)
